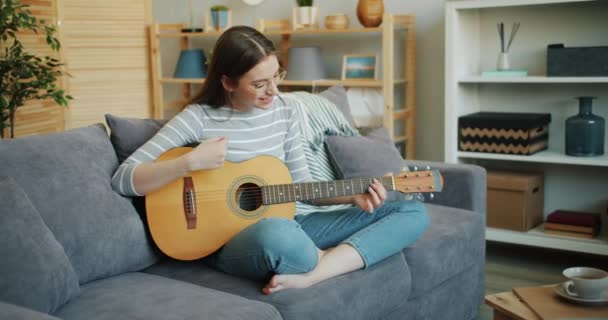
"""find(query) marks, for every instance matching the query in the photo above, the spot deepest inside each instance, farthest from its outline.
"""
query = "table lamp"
(191, 64)
(305, 63)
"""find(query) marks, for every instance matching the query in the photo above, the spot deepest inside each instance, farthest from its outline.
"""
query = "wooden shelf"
(532, 79)
(537, 238)
(397, 49)
(547, 156)
(315, 32)
(188, 34)
(323, 31)
(301, 83)
(332, 82)
(182, 80)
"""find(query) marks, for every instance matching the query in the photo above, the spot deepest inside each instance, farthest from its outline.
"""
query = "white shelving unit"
(472, 46)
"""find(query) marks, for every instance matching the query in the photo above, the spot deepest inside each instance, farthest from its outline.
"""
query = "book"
(575, 218)
(569, 234)
(569, 227)
(546, 304)
(505, 73)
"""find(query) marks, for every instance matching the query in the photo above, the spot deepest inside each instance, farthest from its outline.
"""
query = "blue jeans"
(281, 246)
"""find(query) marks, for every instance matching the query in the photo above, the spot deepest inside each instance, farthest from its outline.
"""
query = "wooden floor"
(509, 266)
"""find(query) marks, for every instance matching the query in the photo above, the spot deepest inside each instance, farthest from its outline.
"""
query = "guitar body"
(188, 225)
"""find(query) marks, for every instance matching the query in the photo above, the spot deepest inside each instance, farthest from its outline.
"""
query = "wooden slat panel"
(105, 34)
(38, 117)
(123, 10)
(107, 53)
(130, 104)
(104, 58)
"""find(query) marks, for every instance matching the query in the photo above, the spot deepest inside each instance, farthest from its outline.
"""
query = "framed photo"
(359, 66)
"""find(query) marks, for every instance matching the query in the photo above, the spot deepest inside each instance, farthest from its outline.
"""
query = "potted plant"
(219, 16)
(24, 75)
(306, 13)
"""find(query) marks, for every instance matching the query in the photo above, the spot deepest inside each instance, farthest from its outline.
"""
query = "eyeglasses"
(262, 86)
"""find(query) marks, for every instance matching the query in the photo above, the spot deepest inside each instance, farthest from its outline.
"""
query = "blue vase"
(219, 19)
(585, 131)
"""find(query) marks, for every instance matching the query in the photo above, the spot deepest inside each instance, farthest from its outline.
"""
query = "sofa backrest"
(67, 178)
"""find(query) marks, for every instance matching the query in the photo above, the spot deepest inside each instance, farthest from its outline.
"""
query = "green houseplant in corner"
(23, 75)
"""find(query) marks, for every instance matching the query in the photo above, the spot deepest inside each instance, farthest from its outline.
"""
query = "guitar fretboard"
(282, 193)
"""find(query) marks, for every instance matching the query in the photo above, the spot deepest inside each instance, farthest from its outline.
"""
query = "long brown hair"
(237, 51)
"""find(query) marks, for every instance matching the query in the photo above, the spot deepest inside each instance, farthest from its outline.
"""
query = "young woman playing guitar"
(237, 116)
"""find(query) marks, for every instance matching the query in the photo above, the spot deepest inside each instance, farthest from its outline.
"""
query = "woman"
(237, 116)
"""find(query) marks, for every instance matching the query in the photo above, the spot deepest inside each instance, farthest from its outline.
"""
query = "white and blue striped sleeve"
(295, 158)
(185, 128)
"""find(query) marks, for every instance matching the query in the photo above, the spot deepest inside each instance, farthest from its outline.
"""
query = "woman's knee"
(285, 245)
(415, 212)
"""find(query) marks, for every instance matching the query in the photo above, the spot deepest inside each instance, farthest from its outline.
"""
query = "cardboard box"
(515, 200)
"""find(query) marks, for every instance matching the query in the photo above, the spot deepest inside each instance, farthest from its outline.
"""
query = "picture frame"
(359, 67)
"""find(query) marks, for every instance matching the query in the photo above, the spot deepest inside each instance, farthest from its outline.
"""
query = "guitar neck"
(282, 193)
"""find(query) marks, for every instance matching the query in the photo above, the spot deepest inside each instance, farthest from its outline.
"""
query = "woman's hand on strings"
(373, 199)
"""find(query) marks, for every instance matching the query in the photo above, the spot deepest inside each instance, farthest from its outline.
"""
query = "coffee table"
(507, 306)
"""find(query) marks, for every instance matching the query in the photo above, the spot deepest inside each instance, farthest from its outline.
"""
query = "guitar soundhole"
(249, 197)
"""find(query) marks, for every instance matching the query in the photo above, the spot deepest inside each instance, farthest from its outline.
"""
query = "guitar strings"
(286, 186)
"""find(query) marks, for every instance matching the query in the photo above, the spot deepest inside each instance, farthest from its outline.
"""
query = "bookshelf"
(472, 46)
(396, 80)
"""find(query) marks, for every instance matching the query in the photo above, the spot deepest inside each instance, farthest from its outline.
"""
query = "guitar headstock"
(419, 181)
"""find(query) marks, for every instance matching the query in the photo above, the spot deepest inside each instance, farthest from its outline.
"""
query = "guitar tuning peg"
(428, 168)
(415, 168)
(431, 196)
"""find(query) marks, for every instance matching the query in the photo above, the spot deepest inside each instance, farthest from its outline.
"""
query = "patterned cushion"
(318, 118)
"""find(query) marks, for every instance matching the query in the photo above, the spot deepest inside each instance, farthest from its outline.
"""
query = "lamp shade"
(191, 64)
(305, 63)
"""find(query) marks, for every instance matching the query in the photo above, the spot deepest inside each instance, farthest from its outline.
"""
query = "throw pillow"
(36, 272)
(128, 134)
(364, 156)
(368, 156)
(337, 95)
(67, 176)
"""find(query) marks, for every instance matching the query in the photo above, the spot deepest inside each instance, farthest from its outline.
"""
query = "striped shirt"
(274, 132)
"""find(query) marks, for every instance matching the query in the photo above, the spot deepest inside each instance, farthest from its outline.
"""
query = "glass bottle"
(585, 131)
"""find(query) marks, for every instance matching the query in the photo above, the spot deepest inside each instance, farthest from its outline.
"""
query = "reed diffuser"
(503, 57)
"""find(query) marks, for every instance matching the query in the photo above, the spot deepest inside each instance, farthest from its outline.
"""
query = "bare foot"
(291, 281)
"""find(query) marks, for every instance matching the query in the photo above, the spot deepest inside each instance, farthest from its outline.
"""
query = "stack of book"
(573, 224)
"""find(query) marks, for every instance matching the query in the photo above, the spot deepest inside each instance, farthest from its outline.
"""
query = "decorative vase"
(337, 21)
(219, 19)
(306, 17)
(369, 12)
(585, 131)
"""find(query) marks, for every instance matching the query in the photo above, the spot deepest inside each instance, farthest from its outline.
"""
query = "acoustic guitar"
(194, 216)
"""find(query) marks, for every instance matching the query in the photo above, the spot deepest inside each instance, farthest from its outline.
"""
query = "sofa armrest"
(14, 312)
(464, 185)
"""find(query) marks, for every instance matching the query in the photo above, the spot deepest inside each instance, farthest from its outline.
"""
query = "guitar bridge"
(189, 199)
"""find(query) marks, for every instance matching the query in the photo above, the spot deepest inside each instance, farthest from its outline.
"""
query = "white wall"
(429, 49)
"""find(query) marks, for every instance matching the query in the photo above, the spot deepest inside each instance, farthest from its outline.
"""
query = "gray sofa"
(72, 248)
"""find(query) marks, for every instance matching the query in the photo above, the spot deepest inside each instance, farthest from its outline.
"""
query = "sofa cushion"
(67, 177)
(35, 271)
(14, 312)
(128, 134)
(364, 156)
(363, 294)
(453, 243)
(150, 297)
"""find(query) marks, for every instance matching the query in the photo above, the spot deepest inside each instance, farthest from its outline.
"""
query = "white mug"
(585, 283)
